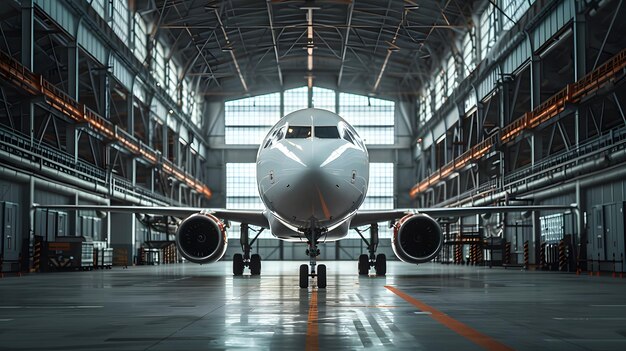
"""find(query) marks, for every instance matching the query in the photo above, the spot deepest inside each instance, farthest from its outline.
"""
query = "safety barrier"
(458, 254)
(542, 256)
(170, 254)
(13, 71)
(37, 254)
(526, 255)
(571, 94)
(563, 254)
(506, 255)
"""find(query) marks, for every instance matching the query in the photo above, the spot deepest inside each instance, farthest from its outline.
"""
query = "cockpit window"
(348, 136)
(326, 132)
(276, 136)
(300, 132)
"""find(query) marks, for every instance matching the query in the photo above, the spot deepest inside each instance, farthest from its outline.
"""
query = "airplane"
(312, 175)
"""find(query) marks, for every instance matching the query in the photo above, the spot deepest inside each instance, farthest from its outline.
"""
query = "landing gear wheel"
(321, 276)
(381, 265)
(255, 264)
(237, 264)
(304, 276)
(364, 265)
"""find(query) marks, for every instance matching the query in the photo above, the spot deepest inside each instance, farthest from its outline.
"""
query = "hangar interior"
(459, 102)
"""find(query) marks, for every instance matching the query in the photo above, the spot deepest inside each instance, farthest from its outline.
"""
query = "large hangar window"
(296, 99)
(379, 195)
(120, 18)
(248, 120)
(372, 118)
(324, 99)
(242, 193)
(140, 38)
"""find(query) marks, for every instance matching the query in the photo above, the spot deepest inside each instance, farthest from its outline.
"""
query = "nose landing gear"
(313, 236)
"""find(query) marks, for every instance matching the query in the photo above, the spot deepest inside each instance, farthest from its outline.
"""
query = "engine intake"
(417, 238)
(201, 238)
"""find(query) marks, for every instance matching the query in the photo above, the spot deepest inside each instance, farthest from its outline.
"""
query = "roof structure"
(240, 47)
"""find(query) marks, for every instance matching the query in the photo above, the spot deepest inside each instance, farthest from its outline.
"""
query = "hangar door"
(606, 239)
(9, 231)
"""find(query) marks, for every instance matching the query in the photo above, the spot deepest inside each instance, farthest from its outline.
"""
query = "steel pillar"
(580, 57)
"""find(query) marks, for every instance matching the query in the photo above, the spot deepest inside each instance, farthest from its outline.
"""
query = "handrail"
(13, 71)
(572, 93)
(19, 144)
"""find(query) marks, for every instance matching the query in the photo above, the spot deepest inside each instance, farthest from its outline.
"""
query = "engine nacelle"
(201, 238)
(417, 238)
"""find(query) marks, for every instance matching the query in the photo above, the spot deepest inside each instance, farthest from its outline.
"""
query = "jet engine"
(201, 238)
(417, 238)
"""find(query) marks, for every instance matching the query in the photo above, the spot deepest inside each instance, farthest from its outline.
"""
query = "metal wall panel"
(517, 58)
(51, 220)
(62, 224)
(92, 45)
(58, 11)
(120, 72)
(488, 84)
(560, 16)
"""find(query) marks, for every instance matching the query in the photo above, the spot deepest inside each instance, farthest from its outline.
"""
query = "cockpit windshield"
(298, 132)
(326, 132)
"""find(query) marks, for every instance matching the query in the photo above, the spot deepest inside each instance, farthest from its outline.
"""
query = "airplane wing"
(252, 217)
(366, 217)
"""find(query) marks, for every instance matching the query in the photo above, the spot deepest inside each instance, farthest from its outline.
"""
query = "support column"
(580, 58)
(131, 165)
(28, 17)
(103, 87)
(28, 230)
(535, 100)
(536, 242)
(176, 149)
(164, 138)
(71, 141)
(72, 70)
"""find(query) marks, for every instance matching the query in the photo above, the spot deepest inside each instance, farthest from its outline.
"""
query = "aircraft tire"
(381, 265)
(237, 264)
(255, 264)
(304, 276)
(364, 265)
(321, 276)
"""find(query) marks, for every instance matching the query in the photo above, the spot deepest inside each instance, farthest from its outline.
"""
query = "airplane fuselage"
(312, 172)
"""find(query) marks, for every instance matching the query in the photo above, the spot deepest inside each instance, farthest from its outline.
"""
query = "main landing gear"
(313, 235)
(379, 262)
(246, 260)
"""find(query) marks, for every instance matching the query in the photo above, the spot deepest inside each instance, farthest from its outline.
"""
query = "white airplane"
(312, 175)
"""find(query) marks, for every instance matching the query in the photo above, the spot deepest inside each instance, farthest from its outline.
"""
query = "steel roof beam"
(276, 56)
(345, 43)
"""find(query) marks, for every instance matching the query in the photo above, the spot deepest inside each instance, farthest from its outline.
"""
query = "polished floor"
(430, 307)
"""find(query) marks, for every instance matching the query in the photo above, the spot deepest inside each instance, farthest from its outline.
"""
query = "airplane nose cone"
(319, 187)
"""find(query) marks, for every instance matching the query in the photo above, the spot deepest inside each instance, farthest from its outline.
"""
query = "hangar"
(167, 104)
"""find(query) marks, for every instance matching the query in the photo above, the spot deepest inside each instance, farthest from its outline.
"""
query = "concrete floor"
(431, 307)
